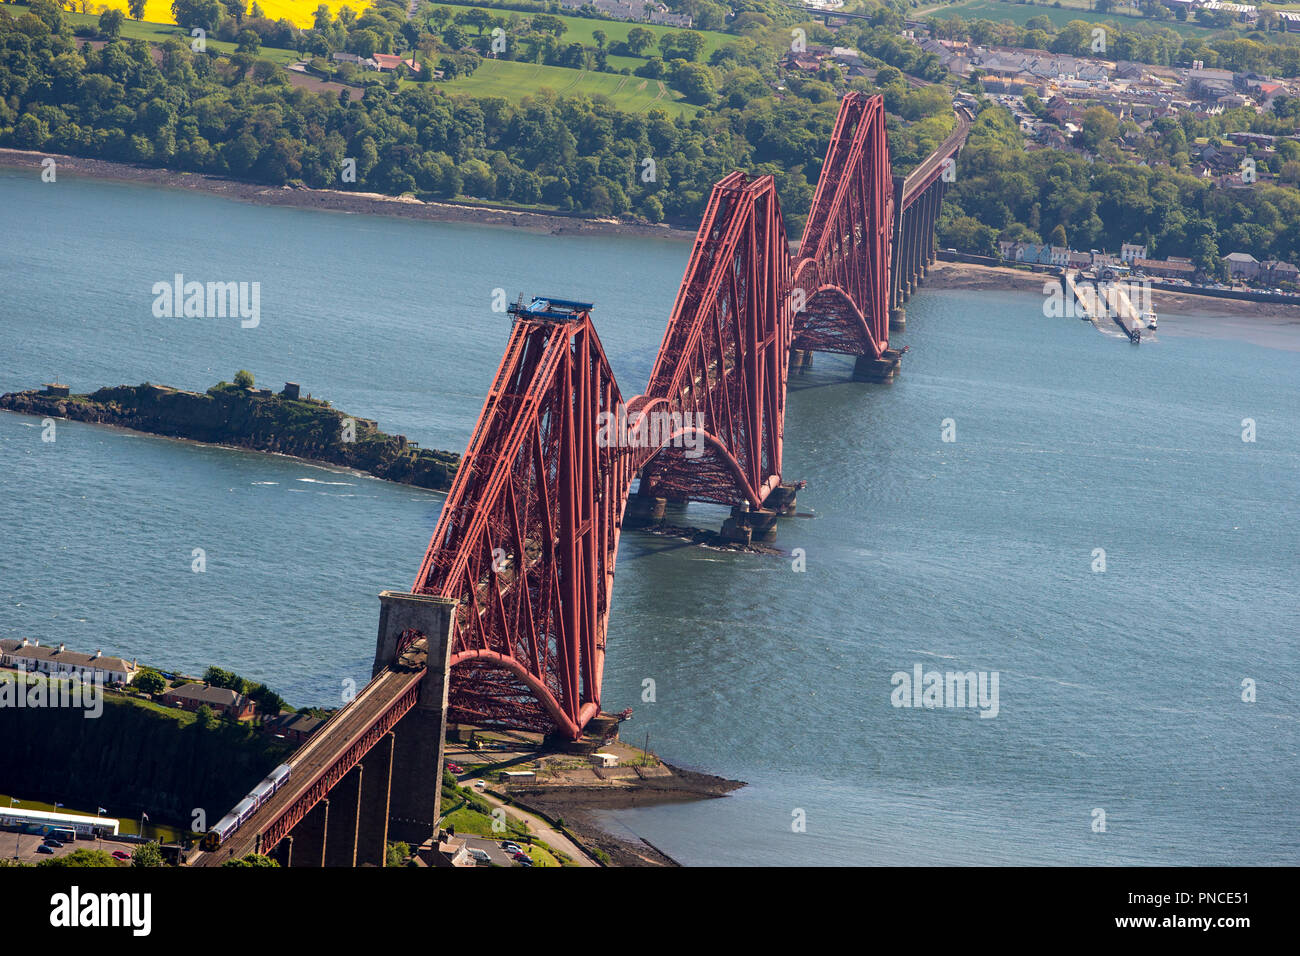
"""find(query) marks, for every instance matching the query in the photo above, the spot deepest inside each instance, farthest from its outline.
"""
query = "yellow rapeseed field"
(300, 12)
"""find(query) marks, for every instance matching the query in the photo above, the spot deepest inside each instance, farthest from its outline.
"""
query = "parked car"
(525, 862)
(57, 844)
(480, 784)
(479, 856)
(119, 855)
(455, 768)
(510, 847)
(522, 857)
(44, 848)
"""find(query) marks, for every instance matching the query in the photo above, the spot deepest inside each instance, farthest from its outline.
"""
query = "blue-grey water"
(1119, 690)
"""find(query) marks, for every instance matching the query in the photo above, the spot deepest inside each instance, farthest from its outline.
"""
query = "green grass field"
(513, 81)
(1020, 14)
(580, 29)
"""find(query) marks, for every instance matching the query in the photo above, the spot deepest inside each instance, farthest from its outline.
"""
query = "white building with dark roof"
(28, 655)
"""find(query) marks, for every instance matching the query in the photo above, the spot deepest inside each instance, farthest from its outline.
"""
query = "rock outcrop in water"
(258, 419)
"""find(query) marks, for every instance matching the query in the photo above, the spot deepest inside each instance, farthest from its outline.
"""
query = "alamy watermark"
(18, 689)
(656, 429)
(213, 300)
(952, 689)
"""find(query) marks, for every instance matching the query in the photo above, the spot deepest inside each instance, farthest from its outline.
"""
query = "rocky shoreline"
(577, 808)
(335, 200)
(256, 419)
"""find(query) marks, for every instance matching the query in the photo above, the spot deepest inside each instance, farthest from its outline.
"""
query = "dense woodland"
(238, 116)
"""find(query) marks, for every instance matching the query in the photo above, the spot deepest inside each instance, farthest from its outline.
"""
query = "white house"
(1131, 251)
(26, 655)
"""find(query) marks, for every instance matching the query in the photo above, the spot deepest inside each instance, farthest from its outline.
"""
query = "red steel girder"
(722, 363)
(527, 539)
(842, 273)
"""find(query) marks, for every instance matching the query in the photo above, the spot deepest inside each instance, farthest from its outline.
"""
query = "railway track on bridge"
(319, 763)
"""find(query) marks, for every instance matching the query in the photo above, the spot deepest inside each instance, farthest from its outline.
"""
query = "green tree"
(110, 24)
(248, 41)
(267, 700)
(639, 39)
(253, 859)
(478, 18)
(205, 718)
(652, 209)
(48, 13)
(545, 23)
(244, 379)
(1099, 127)
(682, 45)
(237, 9)
(149, 854)
(397, 854)
(149, 681)
(203, 14)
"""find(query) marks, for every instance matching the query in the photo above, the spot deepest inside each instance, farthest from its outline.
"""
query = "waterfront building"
(220, 699)
(28, 655)
(37, 821)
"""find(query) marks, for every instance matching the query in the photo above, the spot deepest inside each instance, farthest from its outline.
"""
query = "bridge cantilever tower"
(842, 277)
(527, 539)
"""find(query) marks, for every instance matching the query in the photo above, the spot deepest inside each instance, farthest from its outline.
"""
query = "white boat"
(1149, 318)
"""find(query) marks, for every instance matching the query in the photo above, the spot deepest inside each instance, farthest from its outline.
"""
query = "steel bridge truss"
(527, 540)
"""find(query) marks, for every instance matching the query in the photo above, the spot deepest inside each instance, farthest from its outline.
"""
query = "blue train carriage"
(220, 831)
(255, 800)
(280, 775)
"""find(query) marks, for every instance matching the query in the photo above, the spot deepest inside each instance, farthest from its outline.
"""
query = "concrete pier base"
(309, 837)
(345, 803)
(282, 852)
(644, 511)
(762, 525)
(747, 525)
(897, 319)
(882, 370)
(737, 530)
(372, 824)
(782, 500)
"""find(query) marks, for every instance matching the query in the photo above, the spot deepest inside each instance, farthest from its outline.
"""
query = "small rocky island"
(242, 416)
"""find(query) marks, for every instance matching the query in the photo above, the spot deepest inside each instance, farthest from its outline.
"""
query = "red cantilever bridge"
(507, 620)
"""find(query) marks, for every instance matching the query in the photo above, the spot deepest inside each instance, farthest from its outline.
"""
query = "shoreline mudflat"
(580, 808)
(334, 200)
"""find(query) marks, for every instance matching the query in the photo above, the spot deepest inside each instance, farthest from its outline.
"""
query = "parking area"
(492, 848)
(24, 847)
